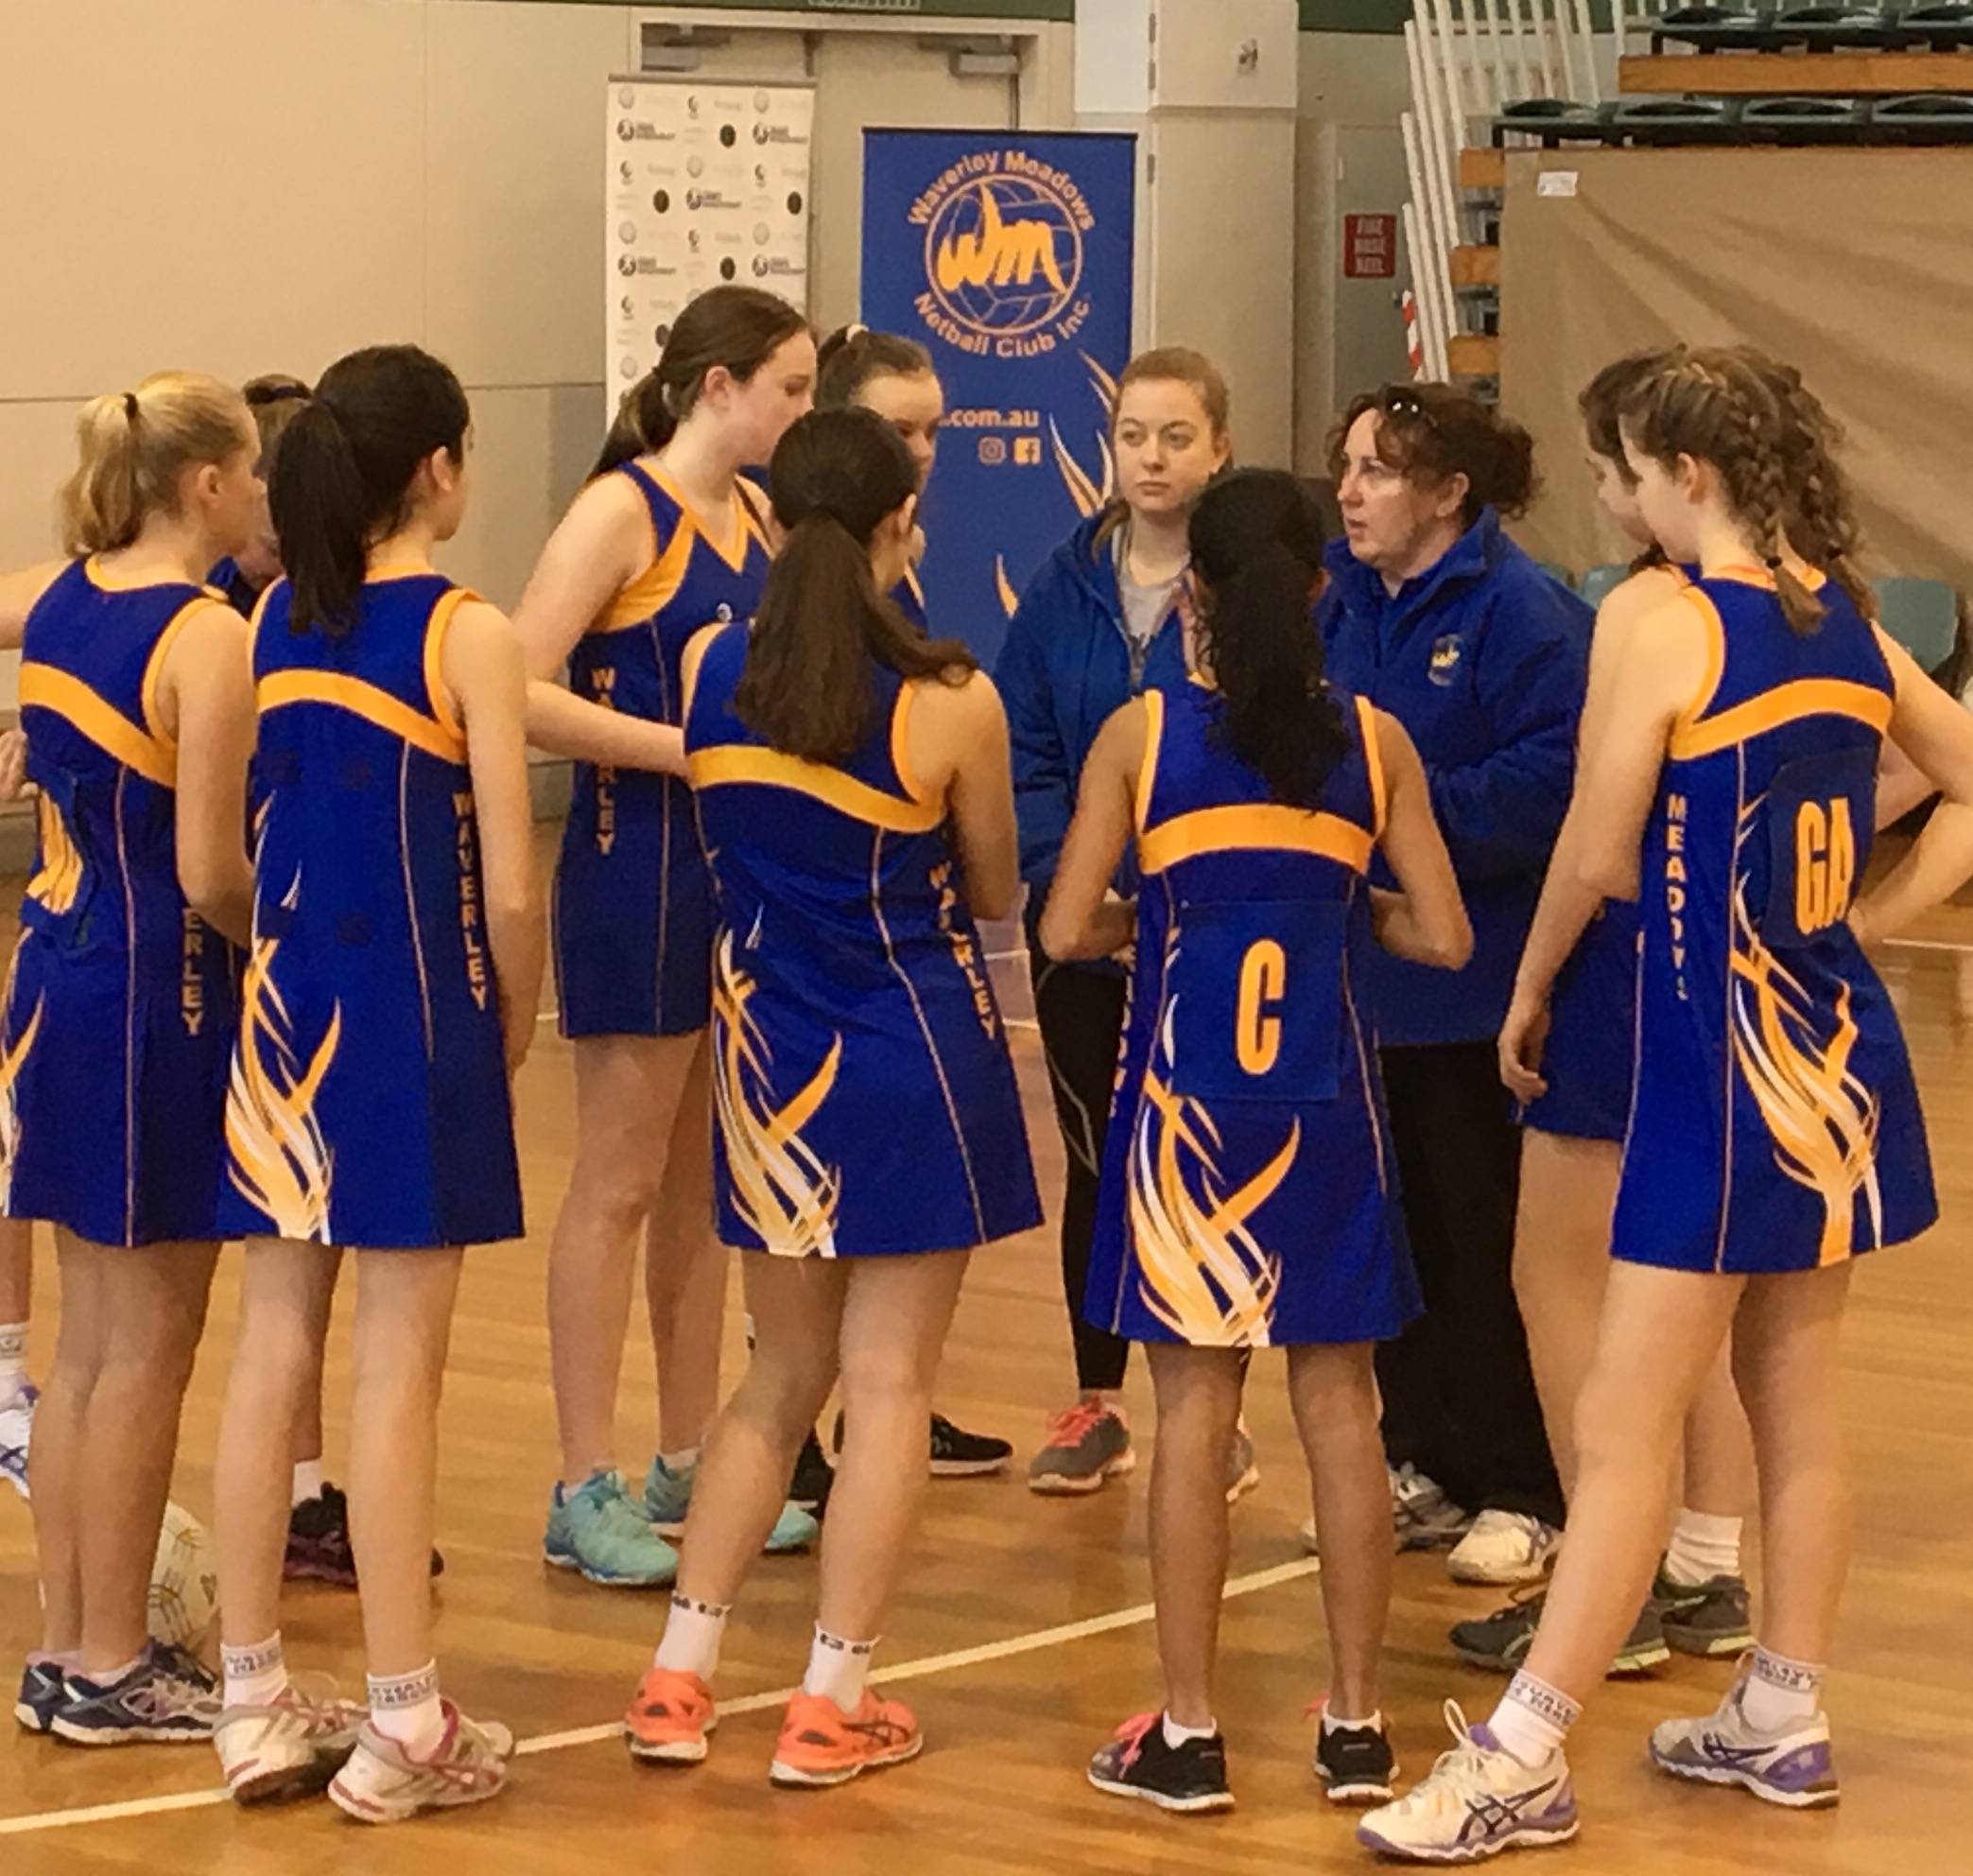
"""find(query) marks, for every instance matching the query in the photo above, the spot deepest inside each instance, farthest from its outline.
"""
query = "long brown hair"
(823, 628)
(851, 356)
(1431, 432)
(1774, 446)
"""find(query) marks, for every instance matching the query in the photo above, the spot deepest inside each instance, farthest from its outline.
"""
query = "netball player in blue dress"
(138, 710)
(665, 540)
(1248, 1196)
(1571, 1151)
(1775, 1134)
(853, 788)
(398, 946)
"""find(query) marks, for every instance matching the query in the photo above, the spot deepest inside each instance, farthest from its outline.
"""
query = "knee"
(885, 1381)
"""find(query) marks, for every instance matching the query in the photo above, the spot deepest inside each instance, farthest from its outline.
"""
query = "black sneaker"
(958, 1455)
(1707, 1620)
(1501, 1640)
(318, 1548)
(170, 1697)
(1354, 1763)
(1138, 1764)
(42, 1696)
(813, 1478)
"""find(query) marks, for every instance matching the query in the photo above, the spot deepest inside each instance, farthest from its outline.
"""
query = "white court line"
(1925, 945)
(920, 1669)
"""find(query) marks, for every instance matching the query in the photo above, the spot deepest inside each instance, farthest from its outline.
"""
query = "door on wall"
(863, 79)
(1370, 334)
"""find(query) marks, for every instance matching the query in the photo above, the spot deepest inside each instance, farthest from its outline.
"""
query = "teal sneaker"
(602, 1530)
(668, 1497)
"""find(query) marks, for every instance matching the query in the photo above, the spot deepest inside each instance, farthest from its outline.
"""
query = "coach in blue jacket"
(1435, 615)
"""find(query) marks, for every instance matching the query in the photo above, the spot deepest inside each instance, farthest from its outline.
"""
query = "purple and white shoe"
(1478, 1802)
(1792, 1768)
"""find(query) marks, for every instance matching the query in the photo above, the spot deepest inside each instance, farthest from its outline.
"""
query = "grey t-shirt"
(1145, 608)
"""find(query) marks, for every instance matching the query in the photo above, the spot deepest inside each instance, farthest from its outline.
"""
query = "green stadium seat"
(1923, 616)
(1600, 582)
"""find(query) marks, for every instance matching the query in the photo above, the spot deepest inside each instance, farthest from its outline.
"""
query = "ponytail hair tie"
(130, 406)
(1774, 562)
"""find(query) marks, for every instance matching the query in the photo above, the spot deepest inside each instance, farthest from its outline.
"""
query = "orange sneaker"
(821, 1745)
(670, 1719)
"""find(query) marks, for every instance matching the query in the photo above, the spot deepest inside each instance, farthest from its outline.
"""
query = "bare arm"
(602, 544)
(205, 696)
(482, 667)
(1082, 919)
(1658, 671)
(18, 595)
(1902, 784)
(957, 739)
(1425, 921)
(1936, 734)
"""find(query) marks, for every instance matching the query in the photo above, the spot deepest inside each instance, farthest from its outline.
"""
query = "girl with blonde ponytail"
(138, 708)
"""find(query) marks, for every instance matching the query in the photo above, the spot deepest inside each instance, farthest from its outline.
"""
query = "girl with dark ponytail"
(398, 946)
(667, 538)
(853, 783)
(1247, 1194)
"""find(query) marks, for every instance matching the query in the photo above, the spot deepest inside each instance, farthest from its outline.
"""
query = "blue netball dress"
(909, 597)
(1777, 1124)
(370, 1102)
(632, 912)
(1249, 1194)
(120, 1005)
(865, 1099)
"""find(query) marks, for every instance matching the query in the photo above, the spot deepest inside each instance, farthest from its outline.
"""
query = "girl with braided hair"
(1775, 1133)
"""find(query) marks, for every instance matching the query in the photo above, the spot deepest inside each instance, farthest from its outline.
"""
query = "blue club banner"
(1010, 258)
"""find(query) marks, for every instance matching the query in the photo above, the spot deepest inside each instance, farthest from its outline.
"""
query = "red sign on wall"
(1369, 247)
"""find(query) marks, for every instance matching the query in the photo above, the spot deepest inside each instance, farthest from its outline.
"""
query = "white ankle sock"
(110, 1676)
(14, 1361)
(257, 1675)
(1331, 1724)
(681, 1460)
(1779, 1692)
(1532, 1719)
(1176, 1735)
(1701, 1548)
(406, 1708)
(307, 1481)
(837, 1670)
(693, 1632)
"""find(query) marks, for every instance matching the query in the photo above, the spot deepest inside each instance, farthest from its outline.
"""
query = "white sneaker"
(16, 1428)
(1478, 1802)
(1790, 1767)
(1504, 1547)
(383, 1785)
(292, 1747)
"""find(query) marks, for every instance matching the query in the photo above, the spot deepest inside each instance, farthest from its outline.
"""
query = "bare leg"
(1198, 1401)
(1335, 1395)
(16, 1269)
(895, 1316)
(1786, 1349)
(80, 1353)
(1560, 1268)
(404, 1325)
(284, 1293)
(685, 1268)
(153, 1312)
(627, 1092)
(1662, 1330)
(321, 1298)
(797, 1306)
(1718, 1447)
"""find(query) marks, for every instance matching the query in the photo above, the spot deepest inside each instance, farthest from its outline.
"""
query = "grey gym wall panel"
(514, 176)
(230, 185)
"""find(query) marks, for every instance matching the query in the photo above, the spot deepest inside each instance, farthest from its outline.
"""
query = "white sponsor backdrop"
(708, 184)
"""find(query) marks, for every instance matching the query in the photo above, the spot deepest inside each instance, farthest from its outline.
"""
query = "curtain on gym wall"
(1855, 266)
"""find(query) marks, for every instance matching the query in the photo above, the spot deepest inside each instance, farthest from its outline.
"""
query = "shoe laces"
(1133, 1733)
(1073, 1425)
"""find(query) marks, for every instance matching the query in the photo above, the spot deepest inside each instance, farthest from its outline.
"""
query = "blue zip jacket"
(1483, 659)
(1067, 667)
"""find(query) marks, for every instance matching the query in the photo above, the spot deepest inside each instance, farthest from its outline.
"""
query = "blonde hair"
(133, 446)
(275, 399)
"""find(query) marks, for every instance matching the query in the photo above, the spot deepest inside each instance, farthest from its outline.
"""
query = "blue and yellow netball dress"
(909, 597)
(370, 1103)
(1777, 1124)
(120, 1005)
(865, 1100)
(1249, 1193)
(632, 906)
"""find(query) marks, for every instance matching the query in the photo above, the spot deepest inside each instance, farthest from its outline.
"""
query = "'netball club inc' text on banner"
(1010, 259)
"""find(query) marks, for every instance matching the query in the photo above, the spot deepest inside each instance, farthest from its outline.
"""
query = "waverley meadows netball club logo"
(1004, 255)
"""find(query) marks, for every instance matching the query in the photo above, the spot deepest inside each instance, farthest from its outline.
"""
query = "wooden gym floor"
(1023, 1633)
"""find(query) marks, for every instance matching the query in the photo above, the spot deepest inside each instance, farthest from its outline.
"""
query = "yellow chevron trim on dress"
(58, 877)
(1260, 827)
(781, 1189)
(1200, 1271)
(1786, 703)
(735, 762)
(360, 699)
(45, 688)
(276, 1156)
(1824, 1121)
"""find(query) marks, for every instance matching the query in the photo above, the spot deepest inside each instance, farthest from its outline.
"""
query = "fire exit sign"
(1369, 247)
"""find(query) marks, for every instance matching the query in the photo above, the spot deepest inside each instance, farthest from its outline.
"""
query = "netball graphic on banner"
(707, 184)
(1010, 258)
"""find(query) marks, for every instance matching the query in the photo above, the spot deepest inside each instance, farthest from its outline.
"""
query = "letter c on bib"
(1263, 984)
